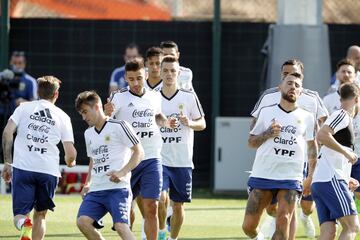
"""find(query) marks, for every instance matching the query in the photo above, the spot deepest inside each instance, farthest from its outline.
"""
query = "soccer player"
(142, 109)
(177, 147)
(331, 177)
(282, 134)
(185, 74)
(117, 79)
(154, 56)
(345, 73)
(34, 169)
(114, 151)
(310, 101)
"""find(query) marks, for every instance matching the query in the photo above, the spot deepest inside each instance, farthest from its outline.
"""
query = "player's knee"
(178, 208)
(271, 210)
(122, 228)
(351, 227)
(307, 207)
(151, 208)
(283, 219)
(249, 229)
(163, 199)
(328, 233)
(84, 222)
(39, 214)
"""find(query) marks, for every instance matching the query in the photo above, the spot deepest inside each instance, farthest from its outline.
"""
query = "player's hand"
(307, 186)
(185, 120)
(109, 108)
(115, 176)
(353, 184)
(85, 190)
(351, 156)
(172, 122)
(6, 173)
(274, 129)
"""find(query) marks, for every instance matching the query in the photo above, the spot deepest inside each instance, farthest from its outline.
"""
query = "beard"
(286, 97)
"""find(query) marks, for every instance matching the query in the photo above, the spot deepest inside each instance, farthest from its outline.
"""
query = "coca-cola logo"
(288, 129)
(144, 113)
(39, 128)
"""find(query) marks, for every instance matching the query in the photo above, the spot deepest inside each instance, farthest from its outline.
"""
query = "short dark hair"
(134, 64)
(169, 44)
(294, 62)
(345, 61)
(18, 54)
(169, 59)
(47, 86)
(89, 98)
(131, 46)
(349, 90)
(297, 75)
(154, 51)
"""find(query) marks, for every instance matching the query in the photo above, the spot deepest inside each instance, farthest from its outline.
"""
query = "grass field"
(207, 217)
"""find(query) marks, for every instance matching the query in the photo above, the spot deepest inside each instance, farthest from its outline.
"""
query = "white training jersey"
(178, 143)
(332, 102)
(282, 158)
(356, 128)
(185, 78)
(155, 88)
(40, 127)
(335, 86)
(331, 163)
(109, 149)
(139, 112)
(308, 100)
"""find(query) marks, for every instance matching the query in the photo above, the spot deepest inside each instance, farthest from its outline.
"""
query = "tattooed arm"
(273, 130)
(7, 143)
(312, 151)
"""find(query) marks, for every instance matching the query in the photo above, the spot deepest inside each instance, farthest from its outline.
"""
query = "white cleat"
(268, 226)
(308, 225)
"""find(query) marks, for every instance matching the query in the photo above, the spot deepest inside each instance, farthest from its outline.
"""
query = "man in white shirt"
(142, 109)
(177, 150)
(34, 169)
(310, 101)
(114, 150)
(330, 189)
(154, 56)
(282, 134)
(345, 73)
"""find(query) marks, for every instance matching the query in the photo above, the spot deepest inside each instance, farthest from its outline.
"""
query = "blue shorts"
(117, 202)
(333, 200)
(32, 190)
(273, 185)
(355, 172)
(178, 180)
(146, 179)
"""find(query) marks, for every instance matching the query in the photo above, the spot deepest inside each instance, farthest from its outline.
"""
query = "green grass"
(207, 217)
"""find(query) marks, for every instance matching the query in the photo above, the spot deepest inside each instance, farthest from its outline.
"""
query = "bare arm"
(325, 136)
(162, 121)
(196, 125)
(7, 143)
(70, 154)
(312, 151)
(87, 183)
(136, 157)
(254, 141)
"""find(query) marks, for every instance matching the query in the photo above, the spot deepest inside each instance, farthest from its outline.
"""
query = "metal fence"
(344, 11)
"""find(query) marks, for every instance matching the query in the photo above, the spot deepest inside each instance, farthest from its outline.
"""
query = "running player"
(34, 170)
(177, 147)
(310, 101)
(114, 150)
(332, 174)
(142, 109)
(280, 135)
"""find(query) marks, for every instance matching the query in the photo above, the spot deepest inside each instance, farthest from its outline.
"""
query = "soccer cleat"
(308, 225)
(26, 230)
(268, 226)
(162, 235)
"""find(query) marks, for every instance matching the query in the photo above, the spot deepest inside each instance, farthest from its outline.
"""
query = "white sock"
(162, 230)
(143, 235)
(260, 236)
(169, 238)
(20, 223)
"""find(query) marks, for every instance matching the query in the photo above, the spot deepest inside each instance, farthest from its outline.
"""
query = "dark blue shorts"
(333, 200)
(146, 179)
(355, 172)
(117, 202)
(32, 190)
(274, 186)
(178, 180)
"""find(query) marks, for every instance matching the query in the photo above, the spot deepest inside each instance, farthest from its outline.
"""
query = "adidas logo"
(43, 116)
(131, 105)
